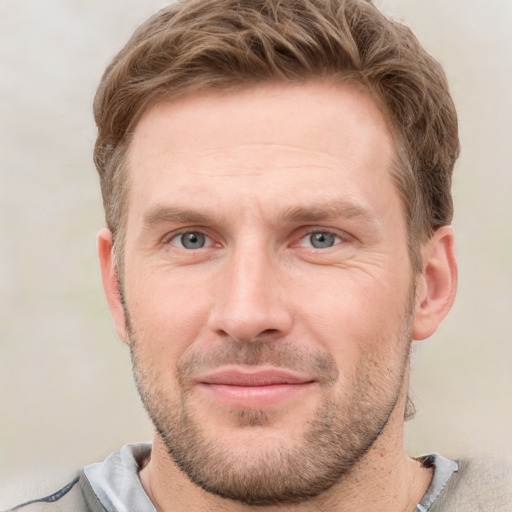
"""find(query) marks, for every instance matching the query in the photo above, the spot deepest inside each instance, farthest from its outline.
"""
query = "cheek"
(352, 313)
(167, 313)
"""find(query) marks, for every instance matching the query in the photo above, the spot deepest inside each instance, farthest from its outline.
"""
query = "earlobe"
(436, 285)
(110, 281)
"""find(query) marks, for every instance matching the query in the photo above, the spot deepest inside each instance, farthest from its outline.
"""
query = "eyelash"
(174, 236)
(339, 239)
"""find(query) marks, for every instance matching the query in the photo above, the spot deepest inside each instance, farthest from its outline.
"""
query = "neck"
(384, 479)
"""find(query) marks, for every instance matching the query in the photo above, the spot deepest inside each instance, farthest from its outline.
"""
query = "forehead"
(280, 143)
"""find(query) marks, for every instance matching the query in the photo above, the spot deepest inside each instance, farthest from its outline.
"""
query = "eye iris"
(193, 240)
(321, 240)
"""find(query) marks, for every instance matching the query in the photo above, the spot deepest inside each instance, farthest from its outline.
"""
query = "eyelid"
(169, 237)
(343, 236)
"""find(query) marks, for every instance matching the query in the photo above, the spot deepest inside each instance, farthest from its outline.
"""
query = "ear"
(111, 282)
(436, 285)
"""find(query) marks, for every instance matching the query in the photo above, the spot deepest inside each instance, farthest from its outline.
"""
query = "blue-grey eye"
(322, 239)
(192, 240)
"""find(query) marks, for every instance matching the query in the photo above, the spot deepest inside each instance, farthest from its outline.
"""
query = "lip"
(254, 388)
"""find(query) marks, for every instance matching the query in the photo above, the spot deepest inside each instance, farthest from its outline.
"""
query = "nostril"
(245, 337)
(268, 332)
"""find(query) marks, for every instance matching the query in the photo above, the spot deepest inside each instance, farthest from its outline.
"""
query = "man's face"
(267, 284)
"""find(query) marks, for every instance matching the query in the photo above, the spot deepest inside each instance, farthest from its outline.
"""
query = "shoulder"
(480, 484)
(74, 494)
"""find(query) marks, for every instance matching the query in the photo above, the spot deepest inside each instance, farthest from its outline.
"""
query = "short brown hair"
(197, 45)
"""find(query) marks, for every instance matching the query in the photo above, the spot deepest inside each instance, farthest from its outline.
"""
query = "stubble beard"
(345, 426)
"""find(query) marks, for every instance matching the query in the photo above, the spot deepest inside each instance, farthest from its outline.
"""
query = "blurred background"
(66, 392)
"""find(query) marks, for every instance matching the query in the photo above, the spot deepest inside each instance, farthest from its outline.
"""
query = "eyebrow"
(302, 213)
(172, 214)
(328, 210)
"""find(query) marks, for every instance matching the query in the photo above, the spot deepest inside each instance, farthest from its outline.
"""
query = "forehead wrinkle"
(256, 170)
(238, 158)
(271, 146)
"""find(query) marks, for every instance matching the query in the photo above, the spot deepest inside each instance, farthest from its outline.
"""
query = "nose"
(251, 301)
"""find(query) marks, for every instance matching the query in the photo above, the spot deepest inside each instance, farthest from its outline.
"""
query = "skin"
(257, 172)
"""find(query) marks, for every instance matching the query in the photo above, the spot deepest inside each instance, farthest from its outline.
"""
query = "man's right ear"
(110, 281)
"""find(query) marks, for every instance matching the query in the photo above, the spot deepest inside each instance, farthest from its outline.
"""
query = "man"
(276, 180)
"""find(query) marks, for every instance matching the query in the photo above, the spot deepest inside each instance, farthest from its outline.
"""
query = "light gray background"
(66, 395)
